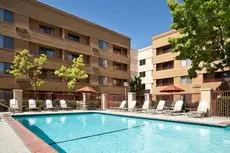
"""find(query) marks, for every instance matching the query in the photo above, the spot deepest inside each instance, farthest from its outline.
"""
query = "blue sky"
(138, 19)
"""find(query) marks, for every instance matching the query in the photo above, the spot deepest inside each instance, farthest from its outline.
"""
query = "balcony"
(165, 66)
(165, 82)
(163, 50)
(216, 77)
(209, 80)
(120, 51)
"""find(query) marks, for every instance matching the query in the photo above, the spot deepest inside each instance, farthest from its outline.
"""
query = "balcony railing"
(165, 68)
(208, 80)
(164, 84)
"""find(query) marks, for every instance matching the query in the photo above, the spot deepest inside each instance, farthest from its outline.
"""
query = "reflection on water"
(178, 128)
(32, 121)
(204, 136)
(131, 123)
(161, 126)
(48, 120)
(62, 119)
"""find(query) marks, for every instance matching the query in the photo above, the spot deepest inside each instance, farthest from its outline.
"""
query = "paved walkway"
(214, 121)
(10, 142)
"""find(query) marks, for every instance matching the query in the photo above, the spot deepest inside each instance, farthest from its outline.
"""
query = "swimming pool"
(101, 133)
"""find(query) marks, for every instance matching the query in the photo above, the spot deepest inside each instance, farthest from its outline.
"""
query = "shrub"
(71, 103)
(25, 103)
(40, 103)
(56, 102)
(92, 105)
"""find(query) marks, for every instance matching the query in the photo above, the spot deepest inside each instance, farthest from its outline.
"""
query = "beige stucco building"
(169, 71)
(42, 29)
(133, 63)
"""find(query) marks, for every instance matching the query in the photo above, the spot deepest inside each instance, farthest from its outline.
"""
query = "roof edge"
(78, 18)
(164, 34)
(145, 48)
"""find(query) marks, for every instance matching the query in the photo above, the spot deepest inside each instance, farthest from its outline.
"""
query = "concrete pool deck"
(15, 138)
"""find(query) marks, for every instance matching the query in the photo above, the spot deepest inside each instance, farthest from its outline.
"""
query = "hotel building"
(41, 29)
(169, 71)
(145, 67)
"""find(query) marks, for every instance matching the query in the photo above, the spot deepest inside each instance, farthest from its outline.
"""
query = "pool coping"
(30, 140)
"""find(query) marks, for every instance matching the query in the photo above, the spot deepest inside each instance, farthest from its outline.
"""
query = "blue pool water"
(100, 133)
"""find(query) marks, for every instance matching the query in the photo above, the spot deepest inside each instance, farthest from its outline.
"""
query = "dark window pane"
(1, 41)
(48, 52)
(46, 29)
(4, 67)
(102, 45)
(8, 16)
(8, 42)
(73, 37)
(1, 14)
(142, 62)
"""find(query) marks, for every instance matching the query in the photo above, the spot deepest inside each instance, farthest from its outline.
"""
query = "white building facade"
(145, 67)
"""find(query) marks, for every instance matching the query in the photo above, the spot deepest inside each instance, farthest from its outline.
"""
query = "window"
(116, 50)
(70, 57)
(103, 80)
(47, 51)
(185, 63)
(142, 74)
(46, 29)
(142, 62)
(165, 65)
(4, 67)
(103, 45)
(73, 37)
(163, 50)
(6, 16)
(143, 86)
(6, 42)
(118, 82)
(165, 82)
(103, 62)
(217, 77)
(119, 66)
(185, 80)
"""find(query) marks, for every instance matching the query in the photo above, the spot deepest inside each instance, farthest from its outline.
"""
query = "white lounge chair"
(64, 105)
(14, 104)
(32, 105)
(145, 107)
(201, 110)
(49, 105)
(122, 106)
(159, 109)
(131, 107)
(176, 109)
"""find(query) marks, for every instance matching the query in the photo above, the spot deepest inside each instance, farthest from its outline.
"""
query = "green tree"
(204, 26)
(25, 66)
(72, 74)
(136, 84)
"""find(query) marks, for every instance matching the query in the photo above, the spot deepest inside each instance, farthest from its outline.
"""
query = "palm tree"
(136, 84)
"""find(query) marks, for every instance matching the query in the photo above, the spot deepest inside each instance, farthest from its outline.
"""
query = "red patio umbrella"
(86, 90)
(171, 89)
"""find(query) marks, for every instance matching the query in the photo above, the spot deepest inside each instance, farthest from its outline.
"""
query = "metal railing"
(220, 104)
(12, 110)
